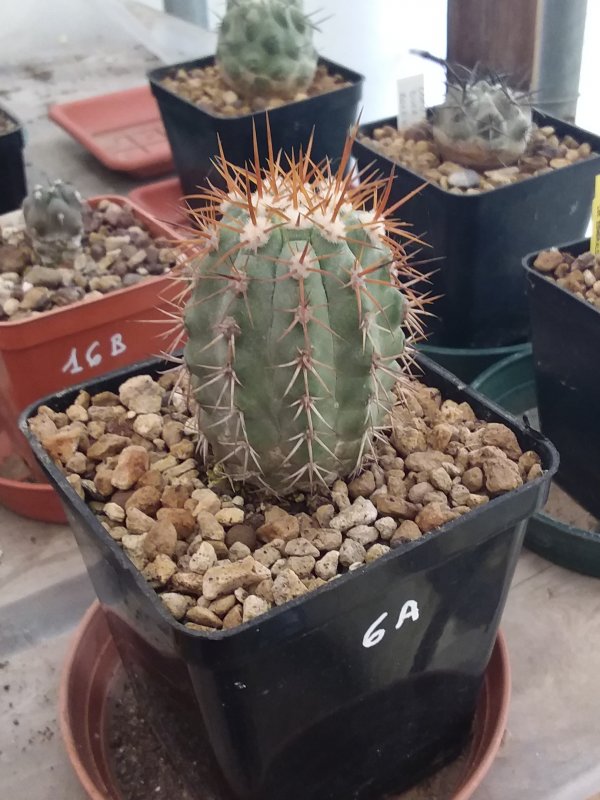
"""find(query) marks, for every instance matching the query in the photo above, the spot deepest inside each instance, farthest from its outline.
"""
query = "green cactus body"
(294, 326)
(265, 48)
(54, 221)
(482, 124)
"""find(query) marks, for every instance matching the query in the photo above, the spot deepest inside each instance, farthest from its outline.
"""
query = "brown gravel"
(116, 251)
(580, 275)
(205, 87)
(6, 124)
(415, 149)
(218, 558)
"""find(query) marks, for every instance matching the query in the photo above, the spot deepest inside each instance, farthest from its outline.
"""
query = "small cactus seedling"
(54, 221)
(483, 122)
(265, 48)
(299, 307)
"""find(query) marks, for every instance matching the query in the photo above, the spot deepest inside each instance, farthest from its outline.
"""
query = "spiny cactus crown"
(482, 123)
(265, 48)
(54, 220)
(295, 321)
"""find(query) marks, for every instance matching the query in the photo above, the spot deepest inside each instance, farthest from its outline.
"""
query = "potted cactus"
(502, 180)
(563, 284)
(265, 72)
(79, 282)
(12, 166)
(302, 550)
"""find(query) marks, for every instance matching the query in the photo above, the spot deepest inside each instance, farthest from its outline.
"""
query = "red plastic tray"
(164, 201)
(122, 129)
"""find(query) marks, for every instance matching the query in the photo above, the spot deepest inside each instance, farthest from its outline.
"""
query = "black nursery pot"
(481, 239)
(13, 187)
(565, 334)
(360, 688)
(193, 132)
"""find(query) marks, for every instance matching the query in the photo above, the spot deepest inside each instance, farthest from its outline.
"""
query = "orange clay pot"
(69, 345)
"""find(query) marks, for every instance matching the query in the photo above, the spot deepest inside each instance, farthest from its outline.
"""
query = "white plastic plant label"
(411, 100)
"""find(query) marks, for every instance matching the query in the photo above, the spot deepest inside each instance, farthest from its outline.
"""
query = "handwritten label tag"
(377, 630)
(411, 101)
(595, 241)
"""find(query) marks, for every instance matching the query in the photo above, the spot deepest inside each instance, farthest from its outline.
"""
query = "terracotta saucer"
(93, 668)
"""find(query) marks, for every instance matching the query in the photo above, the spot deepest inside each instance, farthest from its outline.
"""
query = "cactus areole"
(265, 48)
(297, 317)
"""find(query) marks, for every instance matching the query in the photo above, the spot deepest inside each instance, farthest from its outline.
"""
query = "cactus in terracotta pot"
(54, 221)
(299, 311)
(265, 48)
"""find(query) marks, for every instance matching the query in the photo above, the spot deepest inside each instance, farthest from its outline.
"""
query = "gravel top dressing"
(205, 87)
(218, 557)
(415, 149)
(6, 124)
(116, 251)
(578, 274)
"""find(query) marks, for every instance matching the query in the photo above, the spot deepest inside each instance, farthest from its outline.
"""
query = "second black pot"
(193, 131)
(480, 240)
(565, 334)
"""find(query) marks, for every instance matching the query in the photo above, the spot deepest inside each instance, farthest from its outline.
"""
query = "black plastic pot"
(193, 132)
(330, 696)
(565, 334)
(469, 362)
(481, 239)
(511, 384)
(13, 187)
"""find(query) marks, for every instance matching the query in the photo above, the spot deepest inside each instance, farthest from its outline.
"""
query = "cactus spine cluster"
(296, 320)
(482, 124)
(265, 48)
(54, 221)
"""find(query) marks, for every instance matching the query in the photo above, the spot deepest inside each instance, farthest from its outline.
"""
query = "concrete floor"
(552, 620)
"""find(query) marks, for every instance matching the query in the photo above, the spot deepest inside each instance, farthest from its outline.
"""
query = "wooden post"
(500, 33)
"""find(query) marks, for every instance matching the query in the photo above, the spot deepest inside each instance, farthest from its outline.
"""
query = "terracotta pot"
(65, 346)
(32, 500)
(93, 667)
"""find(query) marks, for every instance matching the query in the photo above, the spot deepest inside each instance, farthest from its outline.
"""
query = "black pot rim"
(580, 244)
(538, 115)
(156, 75)
(149, 365)
(17, 123)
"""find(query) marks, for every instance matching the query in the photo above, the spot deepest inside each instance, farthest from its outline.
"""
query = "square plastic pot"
(194, 132)
(481, 239)
(357, 689)
(565, 334)
(13, 186)
(42, 354)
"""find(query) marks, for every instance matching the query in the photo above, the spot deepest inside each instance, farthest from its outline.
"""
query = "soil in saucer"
(142, 769)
